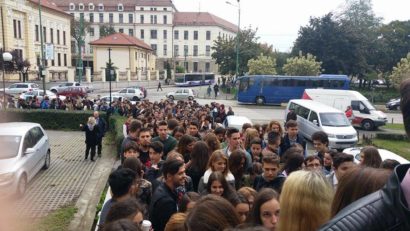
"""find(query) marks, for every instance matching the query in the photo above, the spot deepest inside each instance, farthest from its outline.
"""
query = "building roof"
(202, 19)
(50, 5)
(120, 39)
(110, 5)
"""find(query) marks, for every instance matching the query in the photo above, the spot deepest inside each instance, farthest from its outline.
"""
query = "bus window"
(326, 83)
(292, 82)
(285, 82)
(301, 82)
(244, 84)
(268, 82)
(309, 83)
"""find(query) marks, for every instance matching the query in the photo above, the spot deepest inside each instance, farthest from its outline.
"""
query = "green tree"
(179, 69)
(106, 30)
(401, 71)
(262, 65)
(302, 66)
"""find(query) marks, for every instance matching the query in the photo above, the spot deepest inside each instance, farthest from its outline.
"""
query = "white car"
(234, 121)
(384, 154)
(25, 151)
(18, 88)
(40, 94)
(62, 86)
(114, 98)
(182, 94)
(131, 94)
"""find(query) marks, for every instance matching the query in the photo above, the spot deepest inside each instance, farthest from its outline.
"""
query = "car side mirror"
(316, 123)
(29, 151)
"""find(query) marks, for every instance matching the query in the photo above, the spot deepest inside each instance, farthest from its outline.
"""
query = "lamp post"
(42, 60)
(109, 71)
(6, 57)
(237, 35)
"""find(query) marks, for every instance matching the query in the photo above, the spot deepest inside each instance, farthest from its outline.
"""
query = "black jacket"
(382, 210)
(91, 136)
(163, 206)
(275, 184)
(285, 144)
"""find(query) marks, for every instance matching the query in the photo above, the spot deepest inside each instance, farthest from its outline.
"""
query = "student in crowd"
(248, 136)
(196, 167)
(270, 177)
(292, 137)
(176, 222)
(293, 159)
(328, 162)
(144, 139)
(217, 185)
(249, 193)
(342, 163)
(127, 209)
(234, 141)
(313, 163)
(389, 164)
(193, 130)
(155, 155)
(168, 141)
(185, 146)
(370, 157)
(220, 133)
(178, 132)
(213, 143)
(265, 211)
(305, 201)
(256, 150)
(274, 126)
(274, 141)
(237, 165)
(130, 150)
(188, 201)
(122, 225)
(242, 207)
(133, 131)
(320, 142)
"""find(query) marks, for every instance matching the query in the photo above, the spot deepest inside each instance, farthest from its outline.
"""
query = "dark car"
(393, 104)
(80, 91)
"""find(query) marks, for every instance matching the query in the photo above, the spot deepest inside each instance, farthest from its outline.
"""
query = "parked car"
(143, 89)
(40, 95)
(181, 94)
(131, 94)
(60, 87)
(393, 104)
(115, 98)
(18, 88)
(234, 121)
(384, 154)
(80, 91)
(25, 151)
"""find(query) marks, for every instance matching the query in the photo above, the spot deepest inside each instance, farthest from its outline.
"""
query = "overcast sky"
(278, 21)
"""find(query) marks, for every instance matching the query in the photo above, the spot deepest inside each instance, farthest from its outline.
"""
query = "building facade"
(183, 38)
(22, 30)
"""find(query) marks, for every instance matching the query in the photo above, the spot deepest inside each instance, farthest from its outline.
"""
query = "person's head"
(313, 163)
(293, 159)
(320, 141)
(172, 124)
(144, 137)
(237, 163)
(292, 128)
(218, 162)
(91, 121)
(305, 201)
(274, 140)
(186, 144)
(162, 130)
(256, 147)
(245, 126)
(173, 171)
(135, 165)
(274, 126)
(266, 209)
(249, 135)
(96, 114)
(218, 185)
(370, 157)
(131, 150)
(270, 165)
(234, 138)
(389, 164)
(220, 133)
(342, 163)
(156, 149)
(357, 183)
(122, 225)
(212, 213)
(129, 209)
(134, 128)
(242, 207)
(178, 132)
(212, 141)
(193, 128)
(200, 156)
(328, 159)
(188, 201)
(176, 222)
(122, 182)
(249, 193)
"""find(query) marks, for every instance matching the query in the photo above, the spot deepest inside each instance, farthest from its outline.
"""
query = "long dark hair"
(218, 176)
(235, 160)
(262, 197)
(199, 157)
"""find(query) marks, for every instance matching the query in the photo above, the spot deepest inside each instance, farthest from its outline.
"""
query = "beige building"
(132, 58)
(22, 32)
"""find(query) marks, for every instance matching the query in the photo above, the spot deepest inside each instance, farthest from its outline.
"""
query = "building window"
(59, 59)
(51, 35)
(154, 47)
(142, 19)
(195, 50)
(91, 30)
(208, 50)
(121, 30)
(165, 19)
(120, 7)
(36, 33)
(81, 6)
(44, 34)
(15, 28)
(100, 7)
(131, 32)
(72, 6)
(142, 8)
(165, 34)
(165, 50)
(195, 66)
(153, 34)
(176, 50)
(142, 34)
(81, 15)
(52, 63)
(185, 35)
(176, 35)
(65, 60)
(91, 17)
(101, 16)
(208, 35)
(64, 38)
(195, 35)
(153, 19)
(130, 18)
(111, 18)
(58, 37)
(19, 28)
(121, 18)
(207, 67)
(90, 6)
(185, 50)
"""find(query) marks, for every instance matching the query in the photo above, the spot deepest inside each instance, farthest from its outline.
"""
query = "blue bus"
(270, 89)
(194, 79)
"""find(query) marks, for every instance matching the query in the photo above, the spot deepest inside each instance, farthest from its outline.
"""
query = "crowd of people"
(181, 170)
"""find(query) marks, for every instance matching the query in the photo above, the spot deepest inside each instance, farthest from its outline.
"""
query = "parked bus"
(194, 79)
(269, 89)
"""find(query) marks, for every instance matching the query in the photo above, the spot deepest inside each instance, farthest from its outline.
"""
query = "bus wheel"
(260, 101)
(368, 125)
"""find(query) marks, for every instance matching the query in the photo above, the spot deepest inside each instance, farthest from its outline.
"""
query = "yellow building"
(21, 31)
(129, 55)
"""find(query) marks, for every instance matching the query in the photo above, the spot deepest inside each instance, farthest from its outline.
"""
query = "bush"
(116, 123)
(49, 119)
(391, 136)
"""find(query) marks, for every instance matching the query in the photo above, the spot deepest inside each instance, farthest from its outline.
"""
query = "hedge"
(49, 119)
(116, 123)
(391, 136)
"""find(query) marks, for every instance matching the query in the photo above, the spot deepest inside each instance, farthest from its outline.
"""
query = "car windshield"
(368, 105)
(9, 146)
(334, 119)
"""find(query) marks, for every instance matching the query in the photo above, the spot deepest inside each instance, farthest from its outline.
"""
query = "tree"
(106, 30)
(17, 64)
(179, 69)
(79, 32)
(262, 65)
(302, 66)
(401, 71)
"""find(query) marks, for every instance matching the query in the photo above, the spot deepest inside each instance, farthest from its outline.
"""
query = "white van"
(313, 116)
(364, 113)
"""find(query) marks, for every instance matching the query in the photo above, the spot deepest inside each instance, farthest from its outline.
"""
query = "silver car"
(181, 94)
(131, 94)
(39, 94)
(18, 88)
(25, 151)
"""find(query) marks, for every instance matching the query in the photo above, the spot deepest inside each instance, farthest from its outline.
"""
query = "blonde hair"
(249, 135)
(216, 156)
(305, 201)
(274, 122)
(176, 222)
(91, 121)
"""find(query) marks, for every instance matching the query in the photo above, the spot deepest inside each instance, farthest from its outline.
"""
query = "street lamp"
(109, 71)
(237, 36)
(7, 57)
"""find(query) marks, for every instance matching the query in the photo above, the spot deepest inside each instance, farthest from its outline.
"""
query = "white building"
(185, 38)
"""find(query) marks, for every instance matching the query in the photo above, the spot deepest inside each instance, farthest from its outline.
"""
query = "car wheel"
(47, 160)
(260, 101)
(368, 125)
(190, 98)
(21, 186)
(171, 97)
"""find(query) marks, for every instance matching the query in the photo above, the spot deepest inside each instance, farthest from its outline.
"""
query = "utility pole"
(237, 40)
(109, 71)
(42, 58)
(80, 49)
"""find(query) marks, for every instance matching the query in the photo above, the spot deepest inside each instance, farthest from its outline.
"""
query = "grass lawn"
(394, 126)
(59, 220)
(401, 148)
